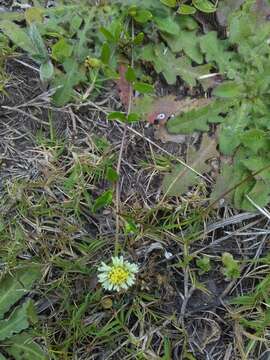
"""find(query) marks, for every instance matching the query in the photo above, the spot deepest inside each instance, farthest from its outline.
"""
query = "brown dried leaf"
(150, 107)
(179, 180)
(123, 86)
(262, 9)
(225, 9)
(161, 133)
(171, 107)
(166, 105)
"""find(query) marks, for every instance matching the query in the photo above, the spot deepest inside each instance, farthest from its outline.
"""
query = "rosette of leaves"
(18, 315)
(243, 59)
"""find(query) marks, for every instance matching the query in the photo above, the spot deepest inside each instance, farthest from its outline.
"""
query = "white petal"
(115, 261)
(103, 276)
(132, 267)
(130, 281)
(104, 267)
(106, 285)
(135, 267)
(110, 286)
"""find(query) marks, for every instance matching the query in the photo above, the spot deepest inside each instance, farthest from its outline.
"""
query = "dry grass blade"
(263, 211)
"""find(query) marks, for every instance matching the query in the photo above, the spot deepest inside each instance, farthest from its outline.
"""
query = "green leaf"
(46, 71)
(231, 130)
(156, 55)
(161, 56)
(81, 49)
(228, 140)
(130, 74)
(19, 320)
(247, 183)
(41, 53)
(117, 28)
(2, 357)
(13, 287)
(255, 140)
(11, 16)
(215, 51)
(138, 39)
(93, 63)
(188, 23)
(167, 25)
(61, 50)
(260, 194)
(143, 105)
(224, 182)
(107, 34)
(258, 163)
(67, 81)
(246, 300)
(241, 27)
(170, 3)
(111, 73)
(105, 53)
(198, 118)
(186, 71)
(117, 115)
(181, 177)
(130, 226)
(143, 88)
(103, 200)
(231, 266)
(204, 6)
(34, 14)
(186, 41)
(186, 10)
(229, 89)
(18, 36)
(22, 346)
(204, 264)
(133, 117)
(75, 24)
(111, 174)
(143, 16)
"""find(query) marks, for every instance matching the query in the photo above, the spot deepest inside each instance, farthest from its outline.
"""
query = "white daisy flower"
(119, 275)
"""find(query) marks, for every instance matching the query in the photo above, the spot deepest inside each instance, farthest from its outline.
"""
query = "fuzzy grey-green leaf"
(46, 71)
(22, 346)
(18, 320)
(18, 36)
(181, 177)
(198, 118)
(14, 286)
(229, 89)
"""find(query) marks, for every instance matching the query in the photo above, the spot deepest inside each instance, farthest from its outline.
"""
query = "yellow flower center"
(118, 275)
